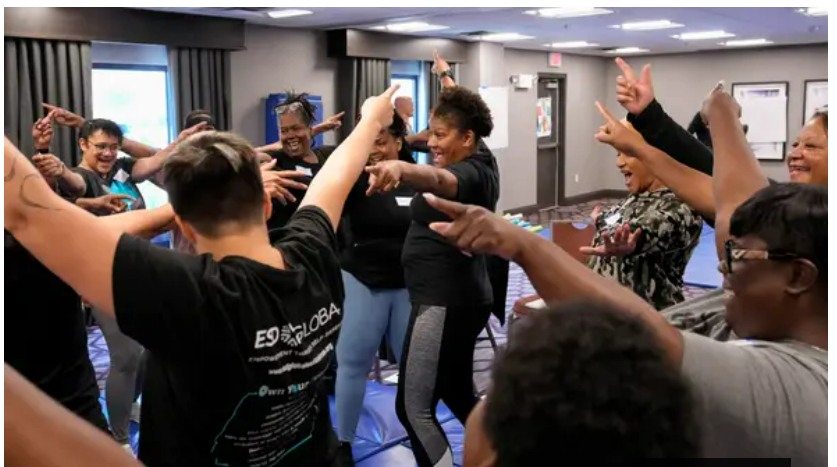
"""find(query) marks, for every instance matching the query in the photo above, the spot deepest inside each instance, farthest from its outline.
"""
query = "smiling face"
(294, 134)
(99, 151)
(808, 160)
(637, 177)
(448, 144)
(386, 147)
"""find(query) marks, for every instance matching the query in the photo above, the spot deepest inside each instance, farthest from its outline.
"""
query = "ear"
(268, 207)
(470, 139)
(803, 277)
(186, 228)
(82, 143)
(399, 143)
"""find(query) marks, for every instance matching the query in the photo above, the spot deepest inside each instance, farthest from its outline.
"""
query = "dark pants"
(437, 363)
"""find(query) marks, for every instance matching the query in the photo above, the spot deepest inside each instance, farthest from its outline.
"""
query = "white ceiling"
(782, 25)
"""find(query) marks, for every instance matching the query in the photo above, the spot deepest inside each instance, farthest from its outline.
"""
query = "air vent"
(476, 33)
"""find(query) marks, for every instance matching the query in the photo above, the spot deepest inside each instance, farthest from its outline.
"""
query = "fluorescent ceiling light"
(505, 37)
(288, 13)
(703, 35)
(814, 11)
(746, 42)
(568, 12)
(627, 50)
(411, 26)
(571, 45)
(648, 25)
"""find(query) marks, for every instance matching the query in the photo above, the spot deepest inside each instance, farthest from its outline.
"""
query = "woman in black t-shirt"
(377, 303)
(450, 291)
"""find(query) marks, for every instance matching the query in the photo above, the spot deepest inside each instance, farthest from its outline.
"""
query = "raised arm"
(554, 273)
(148, 167)
(737, 175)
(692, 187)
(39, 432)
(59, 176)
(330, 188)
(443, 70)
(72, 243)
(636, 95)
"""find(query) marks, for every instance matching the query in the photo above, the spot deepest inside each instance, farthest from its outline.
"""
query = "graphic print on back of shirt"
(279, 416)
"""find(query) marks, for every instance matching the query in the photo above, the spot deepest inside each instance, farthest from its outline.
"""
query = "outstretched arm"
(554, 273)
(385, 176)
(39, 432)
(150, 166)
(331, 186)
(75, 245)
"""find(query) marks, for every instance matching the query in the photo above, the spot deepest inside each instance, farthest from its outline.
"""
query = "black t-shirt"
(46, 340)
(238, 349)
(282, 213)
(376, 228)
(117, 181)
(437, 273)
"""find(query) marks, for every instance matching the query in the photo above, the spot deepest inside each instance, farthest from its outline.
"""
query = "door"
(549, 139)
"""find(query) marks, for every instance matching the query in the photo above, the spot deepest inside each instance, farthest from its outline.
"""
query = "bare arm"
(146, 223)
(429, 179)
(331, 186)
(737, 175)
(72, 183)
(554, 273)
(148, 167)
(277, 146)
(138, 150)
(72, 243)
(421, 136)
(692, 187)
(39, 432)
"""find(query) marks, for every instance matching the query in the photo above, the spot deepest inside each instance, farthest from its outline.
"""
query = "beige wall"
(277, 60)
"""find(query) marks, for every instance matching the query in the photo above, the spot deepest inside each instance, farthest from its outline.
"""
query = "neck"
(252, 244)
(654, 186)
(813, 331)
(89, 167)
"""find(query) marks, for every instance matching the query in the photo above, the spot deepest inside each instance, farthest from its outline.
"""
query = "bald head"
(404, 106)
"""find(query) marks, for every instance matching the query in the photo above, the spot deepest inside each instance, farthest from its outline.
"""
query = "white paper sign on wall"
(497, 99)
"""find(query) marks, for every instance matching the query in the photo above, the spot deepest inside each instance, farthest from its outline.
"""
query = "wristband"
(447, 73)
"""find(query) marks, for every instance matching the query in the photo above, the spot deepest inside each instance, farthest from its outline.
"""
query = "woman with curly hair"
(450, 291)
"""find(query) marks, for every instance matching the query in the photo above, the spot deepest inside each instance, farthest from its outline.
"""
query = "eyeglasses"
(102, 147)
(733, 254)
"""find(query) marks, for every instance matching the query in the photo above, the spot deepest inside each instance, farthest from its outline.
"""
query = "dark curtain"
(45, 71)
(200, 79)
(359, 79)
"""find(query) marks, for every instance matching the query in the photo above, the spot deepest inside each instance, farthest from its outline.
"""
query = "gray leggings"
(122, 386)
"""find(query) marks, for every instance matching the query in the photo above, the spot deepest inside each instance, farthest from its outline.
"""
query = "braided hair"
(299, 104)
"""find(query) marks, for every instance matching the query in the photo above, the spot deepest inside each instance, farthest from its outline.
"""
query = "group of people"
(289, 257)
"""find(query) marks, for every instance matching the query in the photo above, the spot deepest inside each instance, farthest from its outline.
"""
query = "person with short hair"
(645, 241)
(240, 335)
(450, 292)
(582, 380)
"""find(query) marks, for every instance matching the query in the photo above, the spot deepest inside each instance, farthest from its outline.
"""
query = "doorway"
(551, 108)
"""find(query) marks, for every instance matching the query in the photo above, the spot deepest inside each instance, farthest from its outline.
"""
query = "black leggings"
(437, 363)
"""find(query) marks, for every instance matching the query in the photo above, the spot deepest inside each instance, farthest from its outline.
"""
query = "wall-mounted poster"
(497, 100)
(816, 97)
(764, 109)
(544, 117)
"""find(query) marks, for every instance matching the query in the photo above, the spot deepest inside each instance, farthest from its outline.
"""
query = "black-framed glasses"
(736, 254)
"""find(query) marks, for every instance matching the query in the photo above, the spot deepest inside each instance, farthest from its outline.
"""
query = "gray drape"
(46, 71)
(434, 85)
(359, 79)
(200, 79)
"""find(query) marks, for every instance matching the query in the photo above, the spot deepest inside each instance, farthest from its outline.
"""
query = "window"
(135, 97)
(409, 88)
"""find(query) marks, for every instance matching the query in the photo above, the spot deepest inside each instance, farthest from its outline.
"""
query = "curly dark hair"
(300, 104)
(586, 381)
(465, 110)
(108, 127)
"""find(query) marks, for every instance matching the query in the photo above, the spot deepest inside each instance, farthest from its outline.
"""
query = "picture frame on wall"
(764, 109)
(816, 98)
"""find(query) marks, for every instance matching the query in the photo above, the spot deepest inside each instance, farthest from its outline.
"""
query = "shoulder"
(309, 231)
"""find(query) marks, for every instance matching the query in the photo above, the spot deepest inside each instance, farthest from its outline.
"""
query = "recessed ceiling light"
(571, 45)
(814, 11)
(627, 50)
(411, 26)
(288, 13)
(648, 25)
(504, 37)
(568, 12)
(703, 35)
(746, 42)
